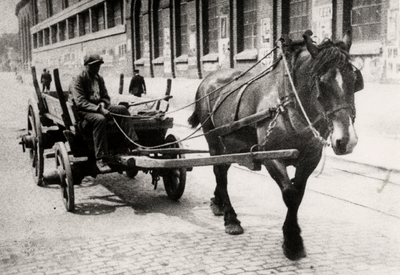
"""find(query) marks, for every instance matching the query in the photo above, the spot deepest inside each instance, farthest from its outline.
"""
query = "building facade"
(191, 38)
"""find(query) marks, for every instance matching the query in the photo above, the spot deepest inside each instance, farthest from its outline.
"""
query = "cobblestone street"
(334, 247)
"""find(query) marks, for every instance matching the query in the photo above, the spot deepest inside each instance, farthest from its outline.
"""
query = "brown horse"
(323, 106)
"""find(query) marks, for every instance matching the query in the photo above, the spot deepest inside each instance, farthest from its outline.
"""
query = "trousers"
(99, 125)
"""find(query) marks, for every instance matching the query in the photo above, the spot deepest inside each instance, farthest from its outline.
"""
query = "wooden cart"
(52, 124)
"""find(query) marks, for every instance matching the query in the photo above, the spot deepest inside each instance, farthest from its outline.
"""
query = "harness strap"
(336, 109)
(236, 125)
(237, 101)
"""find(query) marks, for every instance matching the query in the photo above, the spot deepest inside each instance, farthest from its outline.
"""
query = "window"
(158, 30)
(250, 24)
(54, 33)
(62, 30)
(138, 25)
(35, 12)
(47, 36)
(366, 20)
(122, 50)
(41, 39)
(35, 40)
(298, 18)
(84, 23)
(114, 13)
(72, 27)
(98, 19)
(210, 26)
(160, 35)
(49, 6)
(181, 28)
(247, 25)
(65, 4)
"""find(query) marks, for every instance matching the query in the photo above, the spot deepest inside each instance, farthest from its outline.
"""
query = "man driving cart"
(91, 98)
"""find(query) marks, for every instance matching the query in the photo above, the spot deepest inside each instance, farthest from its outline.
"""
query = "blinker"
(359, 83)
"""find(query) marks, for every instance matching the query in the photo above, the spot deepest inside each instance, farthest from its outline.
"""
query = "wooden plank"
(65, 114)
(53, 106)
(38, 93)
(163, 151)
(167, 94)
(152, 123)
(245, 159)
(55, 119)
(121, 84)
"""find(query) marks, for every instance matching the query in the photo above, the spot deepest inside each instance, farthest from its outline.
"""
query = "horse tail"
(194, 119)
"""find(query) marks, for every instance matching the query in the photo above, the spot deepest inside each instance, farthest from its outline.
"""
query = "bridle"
(326, 114)
(322, 114)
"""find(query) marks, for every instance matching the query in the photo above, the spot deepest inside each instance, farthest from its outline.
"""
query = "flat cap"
(92, 59)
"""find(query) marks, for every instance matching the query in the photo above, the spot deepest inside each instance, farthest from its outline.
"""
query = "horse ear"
(285, 39)
(311, 47)
(347, 38)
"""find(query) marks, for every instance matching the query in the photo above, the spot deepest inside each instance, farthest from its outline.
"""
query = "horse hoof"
(233, 229)
(294, 254)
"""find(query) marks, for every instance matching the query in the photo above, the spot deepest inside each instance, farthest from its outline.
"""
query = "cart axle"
(28, 141)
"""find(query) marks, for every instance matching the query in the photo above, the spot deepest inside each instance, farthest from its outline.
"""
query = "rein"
(315, 132)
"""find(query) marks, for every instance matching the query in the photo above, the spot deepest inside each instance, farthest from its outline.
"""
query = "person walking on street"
(91, 98)
(137, 86)
(46, 80)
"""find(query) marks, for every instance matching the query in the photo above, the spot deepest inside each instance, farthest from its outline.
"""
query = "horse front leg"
(292, 193)
(293, 246)
(221, 202)
(293, 196)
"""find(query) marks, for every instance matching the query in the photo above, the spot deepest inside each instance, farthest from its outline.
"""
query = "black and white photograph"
(205, 137)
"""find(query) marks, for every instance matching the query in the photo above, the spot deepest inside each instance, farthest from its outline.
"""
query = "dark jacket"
(46, 78)
(81, 90)
(137, 85)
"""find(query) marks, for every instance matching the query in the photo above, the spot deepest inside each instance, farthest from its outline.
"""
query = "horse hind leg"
(221, 202)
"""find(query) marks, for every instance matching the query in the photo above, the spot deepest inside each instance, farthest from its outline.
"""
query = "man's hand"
(104, 111)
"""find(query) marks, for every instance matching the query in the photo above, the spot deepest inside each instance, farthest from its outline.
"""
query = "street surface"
(350, 221)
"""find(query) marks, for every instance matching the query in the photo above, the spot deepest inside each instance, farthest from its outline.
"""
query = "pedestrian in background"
(137, 86)
(46, 80)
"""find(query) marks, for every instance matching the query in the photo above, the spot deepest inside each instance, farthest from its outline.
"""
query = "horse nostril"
(341, 145)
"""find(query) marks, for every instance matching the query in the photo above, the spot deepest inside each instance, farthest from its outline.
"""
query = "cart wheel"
(175, 178)
(132, 172)
(36, 151)
(64, 170)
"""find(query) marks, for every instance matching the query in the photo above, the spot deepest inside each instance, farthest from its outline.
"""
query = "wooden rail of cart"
(52, 123)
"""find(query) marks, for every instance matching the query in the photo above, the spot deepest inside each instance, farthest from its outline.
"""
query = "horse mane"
(331, 55)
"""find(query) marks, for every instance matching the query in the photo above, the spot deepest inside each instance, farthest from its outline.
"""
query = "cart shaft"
(250, 160)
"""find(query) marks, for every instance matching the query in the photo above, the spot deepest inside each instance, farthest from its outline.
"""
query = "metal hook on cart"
(155, 177)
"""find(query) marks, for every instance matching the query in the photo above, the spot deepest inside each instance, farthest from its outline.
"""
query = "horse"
(307, 96)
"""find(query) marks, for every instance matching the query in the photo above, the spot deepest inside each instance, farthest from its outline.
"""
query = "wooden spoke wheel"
(175, 178)
(36, 149)
(63, 168)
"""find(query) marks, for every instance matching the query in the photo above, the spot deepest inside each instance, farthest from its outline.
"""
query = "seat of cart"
(147, 114)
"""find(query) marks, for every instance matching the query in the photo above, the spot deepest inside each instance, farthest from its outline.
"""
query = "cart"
(52, 123)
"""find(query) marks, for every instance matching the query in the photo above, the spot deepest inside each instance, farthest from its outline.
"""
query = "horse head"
(331, 84)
